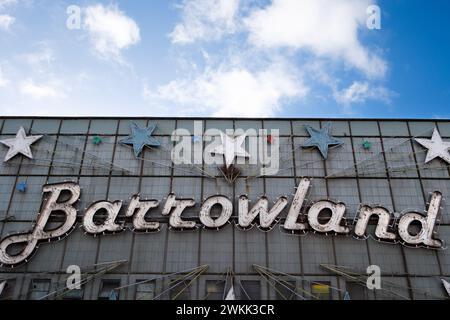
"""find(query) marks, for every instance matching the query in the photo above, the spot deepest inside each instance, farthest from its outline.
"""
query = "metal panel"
(7, 187)
(115, 248)
(284, 127)
(364, 128)
(444, 129)
(123, 188)
(188, 188)
(68, 155)
(277, 187)
(369, 162)
(74, 126)
(299, 129)
(158, 161)
(428, 288)
(98, 158)
(222, 125)
(48, 258)
(308, 162)
(124, 158)
(316, 250)
(42, 157)
(148, 252)
(346, 191)
(11, 126)
(400, 157)
(394, 128)
(248, 124)
(250, 248)
(422, 128)
(444, 255)
(124, 125)
(286, 158)
(339, 128)
(421, 262)
(182, 251)
(217, 249)
(26, 205)
(188, 125)
(81, 249)
(92, 189)
(387, 257)
(284, 251)
(351, 253)
(45, 126)
(407, 195)
(103, 127)
(376, 192)
(340, 159)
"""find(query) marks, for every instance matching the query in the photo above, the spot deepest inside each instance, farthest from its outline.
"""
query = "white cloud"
(230, 92)
(5, 3)
(6, 21)
(327, 28)
(205, 20)
(3, 80)
(41, 60)
(360, 92)
(110, 30)
(50, 90)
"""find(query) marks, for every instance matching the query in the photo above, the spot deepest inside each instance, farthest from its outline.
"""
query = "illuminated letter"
(175, 208)
(109, 225)
(142, 208)
(291, 223)
(384, 217)
(334, 224)
(261, 208)
(39, 234)
(425, 236)
(205, 212)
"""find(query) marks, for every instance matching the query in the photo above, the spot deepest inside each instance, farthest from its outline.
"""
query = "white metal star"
(231, 148)
(436, 147)
(20, 144)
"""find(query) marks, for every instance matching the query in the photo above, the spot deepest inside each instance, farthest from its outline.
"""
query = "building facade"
(378, 162)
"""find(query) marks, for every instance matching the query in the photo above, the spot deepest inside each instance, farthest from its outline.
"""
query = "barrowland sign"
(62, 198)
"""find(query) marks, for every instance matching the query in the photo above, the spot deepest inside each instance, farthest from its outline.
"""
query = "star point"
(321, 139)
(437, 148)
(141, 137)
(20, 145)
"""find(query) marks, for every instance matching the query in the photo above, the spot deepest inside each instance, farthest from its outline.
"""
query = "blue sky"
(245, 58)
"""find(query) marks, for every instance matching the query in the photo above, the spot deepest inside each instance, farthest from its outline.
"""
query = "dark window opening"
(250, 290)
(39, 289)
(321, 291)
(215, 290)
(108, 290)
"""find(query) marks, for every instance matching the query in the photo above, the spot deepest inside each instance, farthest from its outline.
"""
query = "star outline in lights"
(437, 148)
(321, 139)
(231, 148)
(21, 144)
(140, 138)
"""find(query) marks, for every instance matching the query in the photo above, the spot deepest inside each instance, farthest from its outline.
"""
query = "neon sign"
(301, 218)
